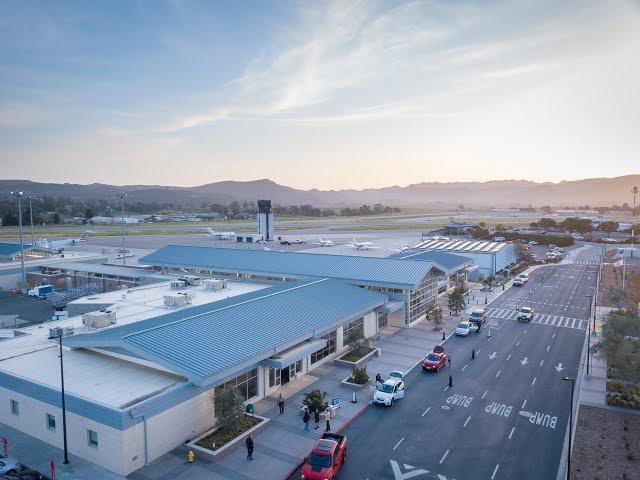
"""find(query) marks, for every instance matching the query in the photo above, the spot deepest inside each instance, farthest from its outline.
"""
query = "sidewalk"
(283, 444)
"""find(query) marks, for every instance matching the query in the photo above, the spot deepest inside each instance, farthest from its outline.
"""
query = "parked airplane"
(219, 235)
(64, 242)
(324, 243)
(362, 245)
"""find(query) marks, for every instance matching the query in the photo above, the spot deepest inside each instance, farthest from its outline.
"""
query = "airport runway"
(506, 415)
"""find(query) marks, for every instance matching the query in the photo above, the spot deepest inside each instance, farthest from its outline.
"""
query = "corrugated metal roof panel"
(450, 261)
(205, 341)
(354, 269)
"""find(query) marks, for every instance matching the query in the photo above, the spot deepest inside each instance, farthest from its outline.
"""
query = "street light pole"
(31, 218)
(121, 196)
(23, 281)
(64, 409)
(572, 380)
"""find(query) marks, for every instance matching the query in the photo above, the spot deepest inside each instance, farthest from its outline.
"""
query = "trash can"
(250, 408)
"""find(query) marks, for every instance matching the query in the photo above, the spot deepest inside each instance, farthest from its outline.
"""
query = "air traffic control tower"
(265, 220)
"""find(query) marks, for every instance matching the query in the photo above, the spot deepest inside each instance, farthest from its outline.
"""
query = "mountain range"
(498, 193)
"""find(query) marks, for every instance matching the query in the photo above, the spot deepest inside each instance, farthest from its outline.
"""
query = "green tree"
(359, 375)
(608, 226)
(229, 406)
(456, 301)
(434, 315)
(620, 345)
(88, 214)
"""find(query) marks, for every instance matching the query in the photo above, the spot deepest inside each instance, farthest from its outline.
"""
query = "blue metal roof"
(360, 270)
(209, 342)
(11, 249)
(448, 261)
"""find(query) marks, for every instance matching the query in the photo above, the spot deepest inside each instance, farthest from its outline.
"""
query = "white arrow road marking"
(559, 367)
(524, 361)
(493, 355)
(398, 475)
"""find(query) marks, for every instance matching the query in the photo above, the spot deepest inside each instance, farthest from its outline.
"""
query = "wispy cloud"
(18, 115)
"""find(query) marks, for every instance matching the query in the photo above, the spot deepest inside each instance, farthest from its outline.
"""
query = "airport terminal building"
(141, 376)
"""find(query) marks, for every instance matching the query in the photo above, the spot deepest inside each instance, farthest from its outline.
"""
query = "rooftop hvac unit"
(61, 331)
(214, 285)
(190, 280)
(177, 284)
(100, 319)
(177, 300)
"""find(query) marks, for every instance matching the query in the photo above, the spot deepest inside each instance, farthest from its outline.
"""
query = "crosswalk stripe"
(547, 319)
(573, 324)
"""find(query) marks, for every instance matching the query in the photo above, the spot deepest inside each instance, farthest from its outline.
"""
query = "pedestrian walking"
(327, 417)
(316, 417)
(449, 359)
(281, 403)
(306, 419)
(249, 443)
(378, 378)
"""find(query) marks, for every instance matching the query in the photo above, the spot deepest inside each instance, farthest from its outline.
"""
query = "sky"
(325, 95)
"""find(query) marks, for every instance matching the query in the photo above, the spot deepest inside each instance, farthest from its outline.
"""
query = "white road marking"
(525, 331)
(399, 442)
(508, 356)
(429, 408)
(446, 388)
(498, 373)
(484, 394)
(548, 347)
(517, 343)
(493, 475)
(534, 381)
(464, 367)
(444, 456)
(553, 336)
(511, 432)
(524, 403)
(541, 362)
(466, 421)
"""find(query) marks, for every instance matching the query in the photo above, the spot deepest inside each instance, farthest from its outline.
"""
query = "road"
(506, 415)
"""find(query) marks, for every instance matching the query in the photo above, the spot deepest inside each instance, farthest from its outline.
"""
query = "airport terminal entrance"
(289, 373)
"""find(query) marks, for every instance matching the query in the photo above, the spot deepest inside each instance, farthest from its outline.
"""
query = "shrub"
(315, 400)
(359, 375)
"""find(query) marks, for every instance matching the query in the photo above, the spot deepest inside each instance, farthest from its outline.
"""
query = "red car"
(435, 360)
(326, 458)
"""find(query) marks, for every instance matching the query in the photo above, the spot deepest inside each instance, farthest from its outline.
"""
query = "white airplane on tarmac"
(219, 235)
(324, 243)
(64, 242)
(362, 245)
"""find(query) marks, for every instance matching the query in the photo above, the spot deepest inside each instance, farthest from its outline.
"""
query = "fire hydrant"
(190, 456)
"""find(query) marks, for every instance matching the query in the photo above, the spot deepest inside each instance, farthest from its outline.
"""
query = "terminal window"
(327, 350)
(92, 438)
(15, 407)
(51, 422)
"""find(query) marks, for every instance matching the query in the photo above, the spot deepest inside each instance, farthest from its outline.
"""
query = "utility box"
(99, 319)
(214, 285)
(177, 300)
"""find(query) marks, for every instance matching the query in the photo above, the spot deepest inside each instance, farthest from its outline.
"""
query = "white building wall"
(32, 421)
(370, 325)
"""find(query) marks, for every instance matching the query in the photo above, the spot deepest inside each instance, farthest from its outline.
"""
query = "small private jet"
(324, 243)
(219, 235)
(361, 245)
(63, 242)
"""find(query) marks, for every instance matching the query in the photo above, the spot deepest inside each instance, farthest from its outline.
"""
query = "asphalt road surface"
(506, 415)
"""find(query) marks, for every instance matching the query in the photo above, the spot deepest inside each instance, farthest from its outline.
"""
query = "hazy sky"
(314, 94)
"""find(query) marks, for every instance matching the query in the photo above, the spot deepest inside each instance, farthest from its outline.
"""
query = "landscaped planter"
(347, 363)
(214, 455)
(351, 385)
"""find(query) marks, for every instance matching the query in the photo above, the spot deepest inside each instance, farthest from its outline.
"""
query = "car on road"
(525, 314)
(396, 374)
(576, 236)
(298, 241)
(520, 280)
(389, 391)
(10, 466)
(499, 239)
(262, 241)
(478, 316)
(465, 328)
(533, 242)
(435, 360)
(286, 242)
(326, 458)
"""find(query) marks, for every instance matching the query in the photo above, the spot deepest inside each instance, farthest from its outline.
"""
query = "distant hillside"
(593, 191)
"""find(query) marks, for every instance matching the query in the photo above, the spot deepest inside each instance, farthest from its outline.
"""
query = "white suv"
(389, 391)
(521, 279)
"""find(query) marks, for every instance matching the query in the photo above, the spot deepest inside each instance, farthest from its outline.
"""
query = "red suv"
(435, 360)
